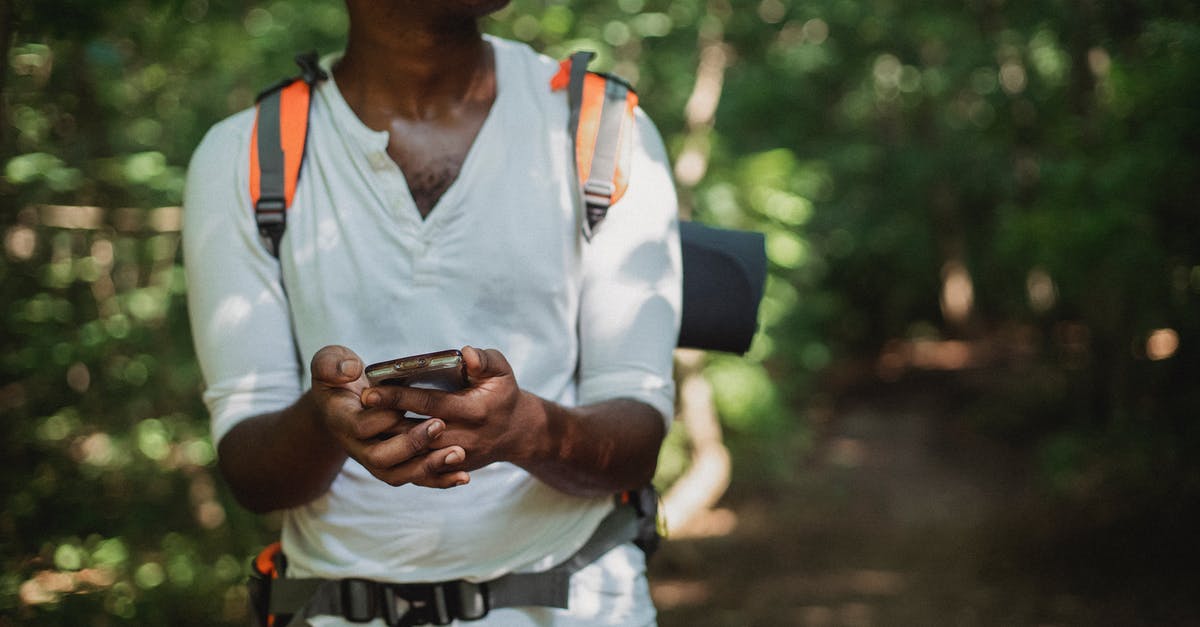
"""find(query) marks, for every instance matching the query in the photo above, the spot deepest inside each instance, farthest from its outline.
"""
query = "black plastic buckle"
(469, 600)
(405, 605)
(270, 212)
(415, 604)
(270, 208)
(259, 588)
(649, 536)
(395, 607)
(360, 598)
(310, 67)
(271, 216)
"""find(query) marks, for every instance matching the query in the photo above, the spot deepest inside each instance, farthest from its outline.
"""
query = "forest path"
(898, 516)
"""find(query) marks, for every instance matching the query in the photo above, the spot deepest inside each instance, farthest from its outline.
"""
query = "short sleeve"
(236, 302)
(630, 302)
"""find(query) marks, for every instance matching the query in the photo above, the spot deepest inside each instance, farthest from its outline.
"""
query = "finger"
(417, 400)
(485, 363)
(444, 481)
(401, 448)
(375, 423)
(435, 470)
(335, 366)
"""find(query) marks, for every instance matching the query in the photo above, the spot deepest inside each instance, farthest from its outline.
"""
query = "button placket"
(424, 261)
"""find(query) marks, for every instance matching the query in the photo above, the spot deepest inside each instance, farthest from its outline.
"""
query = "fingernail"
(453, 458)
(434, 429)
(371, 398)
(344, 367)
(461, 482)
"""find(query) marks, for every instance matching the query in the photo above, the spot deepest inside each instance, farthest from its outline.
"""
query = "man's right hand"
(394, 449)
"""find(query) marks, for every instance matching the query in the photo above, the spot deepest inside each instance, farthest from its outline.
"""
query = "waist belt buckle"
(469, 600)
(359, 600)
(415, 604)
(437, 604)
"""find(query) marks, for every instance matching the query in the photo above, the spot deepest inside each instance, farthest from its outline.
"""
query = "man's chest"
(507, 219)
(431, 153)
(498, 255)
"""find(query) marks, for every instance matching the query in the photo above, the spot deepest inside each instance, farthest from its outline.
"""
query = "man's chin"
(465, 8)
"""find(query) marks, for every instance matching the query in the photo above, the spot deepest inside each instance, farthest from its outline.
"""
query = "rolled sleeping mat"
(724, 274)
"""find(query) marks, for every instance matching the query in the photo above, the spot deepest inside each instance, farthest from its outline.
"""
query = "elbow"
(261, 491)
(637, 470)
(245, 490)
(644, 463)
(271, 464)
(253, 505)
(261, 498)
(640, 475)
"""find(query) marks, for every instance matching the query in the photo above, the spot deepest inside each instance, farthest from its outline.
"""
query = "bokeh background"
(973, 400)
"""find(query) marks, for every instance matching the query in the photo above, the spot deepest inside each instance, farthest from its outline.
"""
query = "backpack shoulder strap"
(277, 148)
(601, 123)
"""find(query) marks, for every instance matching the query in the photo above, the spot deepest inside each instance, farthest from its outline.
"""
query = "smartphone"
(442, 370)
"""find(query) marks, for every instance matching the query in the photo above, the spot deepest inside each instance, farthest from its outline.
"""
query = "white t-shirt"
(498, 263)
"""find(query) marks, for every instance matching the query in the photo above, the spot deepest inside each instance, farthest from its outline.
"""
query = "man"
(436, 209)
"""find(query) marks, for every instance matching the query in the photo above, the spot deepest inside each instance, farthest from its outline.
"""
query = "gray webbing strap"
(290, 595)
(551, 588)
(579, 64)
(270, 211)
(324, 599)
(617, 528)
(599, 188)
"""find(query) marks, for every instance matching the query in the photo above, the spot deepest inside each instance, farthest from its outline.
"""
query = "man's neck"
(412, 63)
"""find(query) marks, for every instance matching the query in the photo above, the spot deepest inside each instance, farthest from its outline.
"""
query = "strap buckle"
(270, 214)
(469, 600)
(360, 597)
(419, 604)
(270, 210)
(599, 192)
(310, 67)
(405, 605)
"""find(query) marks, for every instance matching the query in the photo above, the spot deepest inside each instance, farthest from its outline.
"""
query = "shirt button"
(379, 160)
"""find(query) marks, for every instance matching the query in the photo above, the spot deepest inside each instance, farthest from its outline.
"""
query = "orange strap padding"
(293, 128)
(266, 561)
(563, 76)
(603, 110)
(625, 146)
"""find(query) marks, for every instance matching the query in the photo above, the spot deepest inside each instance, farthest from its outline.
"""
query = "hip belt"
(278, 601)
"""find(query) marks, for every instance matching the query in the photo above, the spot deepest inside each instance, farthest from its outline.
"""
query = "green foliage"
(1048, 149)
(112, 511)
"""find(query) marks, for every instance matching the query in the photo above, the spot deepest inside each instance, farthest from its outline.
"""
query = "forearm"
(280, 460)
(597, 449)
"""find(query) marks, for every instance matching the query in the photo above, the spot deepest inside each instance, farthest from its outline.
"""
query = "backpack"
(724, 270)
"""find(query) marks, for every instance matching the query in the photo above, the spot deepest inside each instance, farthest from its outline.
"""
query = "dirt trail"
(897, 517)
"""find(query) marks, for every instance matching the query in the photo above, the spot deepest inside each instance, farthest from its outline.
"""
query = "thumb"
(485, 363)
(336, 365)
